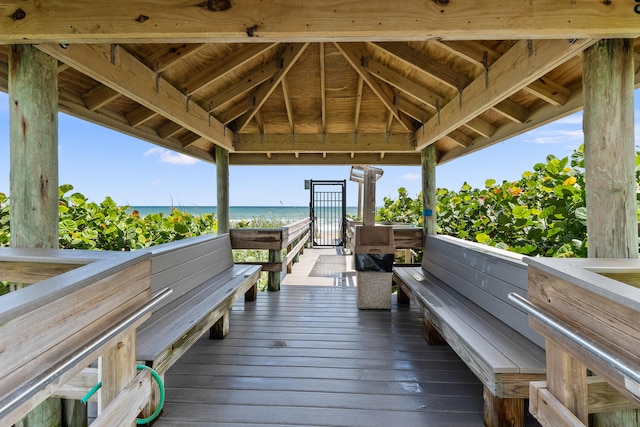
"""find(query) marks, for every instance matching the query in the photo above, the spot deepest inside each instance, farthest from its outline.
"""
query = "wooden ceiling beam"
(548, 90)
(168, 21)
(116, 68)
(169, 129)
(356, 54)
(326, 159)
(99, 96)
(289, 57)
(247, 84)
(525, 62)
(211, 74)
(471, 51)
(419, 61)
(330, 143)
(287, 104)
(356, 119)
(230, 114)
(168, 55)
(139, 115)
(512, 110)
(419, 114)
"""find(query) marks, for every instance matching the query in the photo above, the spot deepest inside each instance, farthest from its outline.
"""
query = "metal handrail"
(585, 343)
(24, 393)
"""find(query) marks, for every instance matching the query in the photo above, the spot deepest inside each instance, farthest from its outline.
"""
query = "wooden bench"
(463, 290)
(206, 283)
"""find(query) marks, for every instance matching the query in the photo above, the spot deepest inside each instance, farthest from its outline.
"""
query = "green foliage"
(544, 213)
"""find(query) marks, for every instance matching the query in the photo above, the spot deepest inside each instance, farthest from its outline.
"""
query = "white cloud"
(558, 137)
(411, 176)
(167, 156)
(574, 119)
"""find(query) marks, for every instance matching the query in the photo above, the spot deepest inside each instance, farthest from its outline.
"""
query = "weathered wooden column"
(610, 163)
(33, 175)
(369, 209)
(222, 175)
(429, 189)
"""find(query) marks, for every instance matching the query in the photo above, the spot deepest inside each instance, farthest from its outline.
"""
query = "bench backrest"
(483, 274)
(185, 264)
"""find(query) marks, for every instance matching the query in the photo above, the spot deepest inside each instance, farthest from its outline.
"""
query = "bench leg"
(221, 328)
(431, 334)
(403, 298)
(251, 294)
(154, 399)
(502, 412)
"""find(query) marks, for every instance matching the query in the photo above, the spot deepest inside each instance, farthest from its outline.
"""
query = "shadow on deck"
(307, 356)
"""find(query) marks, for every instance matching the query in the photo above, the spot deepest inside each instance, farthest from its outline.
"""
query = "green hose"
(153, 416)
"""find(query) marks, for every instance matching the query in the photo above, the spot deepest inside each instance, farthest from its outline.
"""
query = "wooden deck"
(306, 356)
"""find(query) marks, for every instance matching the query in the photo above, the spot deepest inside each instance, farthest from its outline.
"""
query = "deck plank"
(307, 356)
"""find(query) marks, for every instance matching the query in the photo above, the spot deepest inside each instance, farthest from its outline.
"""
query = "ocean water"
(236, 213)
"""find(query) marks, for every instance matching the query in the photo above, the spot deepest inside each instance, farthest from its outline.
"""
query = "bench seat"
(463, 293)
(172, 329)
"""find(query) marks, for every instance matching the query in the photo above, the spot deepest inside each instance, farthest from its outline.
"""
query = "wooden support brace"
(252, 293)
(220, 329)
(502, 412)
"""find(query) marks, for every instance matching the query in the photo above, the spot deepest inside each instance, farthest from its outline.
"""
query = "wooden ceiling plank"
(406, 85)
(168, 21)
(326, 159)
(470, 50)
(525, 62)
(323, 90)
(170, 54)
(247, 84)
(291, 54)
(211, 74)
(331, 142)
(356, 119)
(420, 61)
(116, 68)
(548, 90)
(99, 96)
(287, 103)
(140, 115)
(356, 53)
(512, 110)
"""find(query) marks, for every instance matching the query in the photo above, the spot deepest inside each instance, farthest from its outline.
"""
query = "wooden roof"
(330, 82)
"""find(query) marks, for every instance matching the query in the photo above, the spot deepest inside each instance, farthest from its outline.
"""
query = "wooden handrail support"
(52, 330)
(598, 300)
(292, 237)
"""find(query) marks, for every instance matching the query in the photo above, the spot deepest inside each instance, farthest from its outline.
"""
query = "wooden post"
(359, 218)
(273, 282)
(608, 77)
(116, 369)
(222, 175)
(369, 210)
(429, 189)
(609, 150)
(33, 114)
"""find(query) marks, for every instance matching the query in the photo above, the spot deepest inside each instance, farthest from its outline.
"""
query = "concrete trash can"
(374, 252)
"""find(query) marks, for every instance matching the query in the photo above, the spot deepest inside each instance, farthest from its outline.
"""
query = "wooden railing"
(588, 311)
(407, 238)
(54, 329)
(291, 238)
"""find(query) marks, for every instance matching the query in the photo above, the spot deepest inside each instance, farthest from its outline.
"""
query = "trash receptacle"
(374, 253)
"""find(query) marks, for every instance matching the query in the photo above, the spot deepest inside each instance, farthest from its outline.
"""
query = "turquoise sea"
(237, 213)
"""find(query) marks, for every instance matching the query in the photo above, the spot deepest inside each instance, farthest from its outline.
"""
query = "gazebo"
(252, 82)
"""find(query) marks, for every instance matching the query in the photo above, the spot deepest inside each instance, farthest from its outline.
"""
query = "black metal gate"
(328, 212)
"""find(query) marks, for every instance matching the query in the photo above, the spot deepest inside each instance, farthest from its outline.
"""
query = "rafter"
(420, 61)
(116, 68)
(548, 90)
(330, 143)
(99, 96)
(287, 104)
(288, 58)
(248, 83)
(356, 53)
(169, 129)
(211, 74)
(170, 54)
(323, 90)
(255, 20)
(356, 119)
(471, 51)
(525, 62)
(230, 114)
(139, 115)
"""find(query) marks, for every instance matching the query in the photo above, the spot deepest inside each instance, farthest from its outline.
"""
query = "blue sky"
(99, 162)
